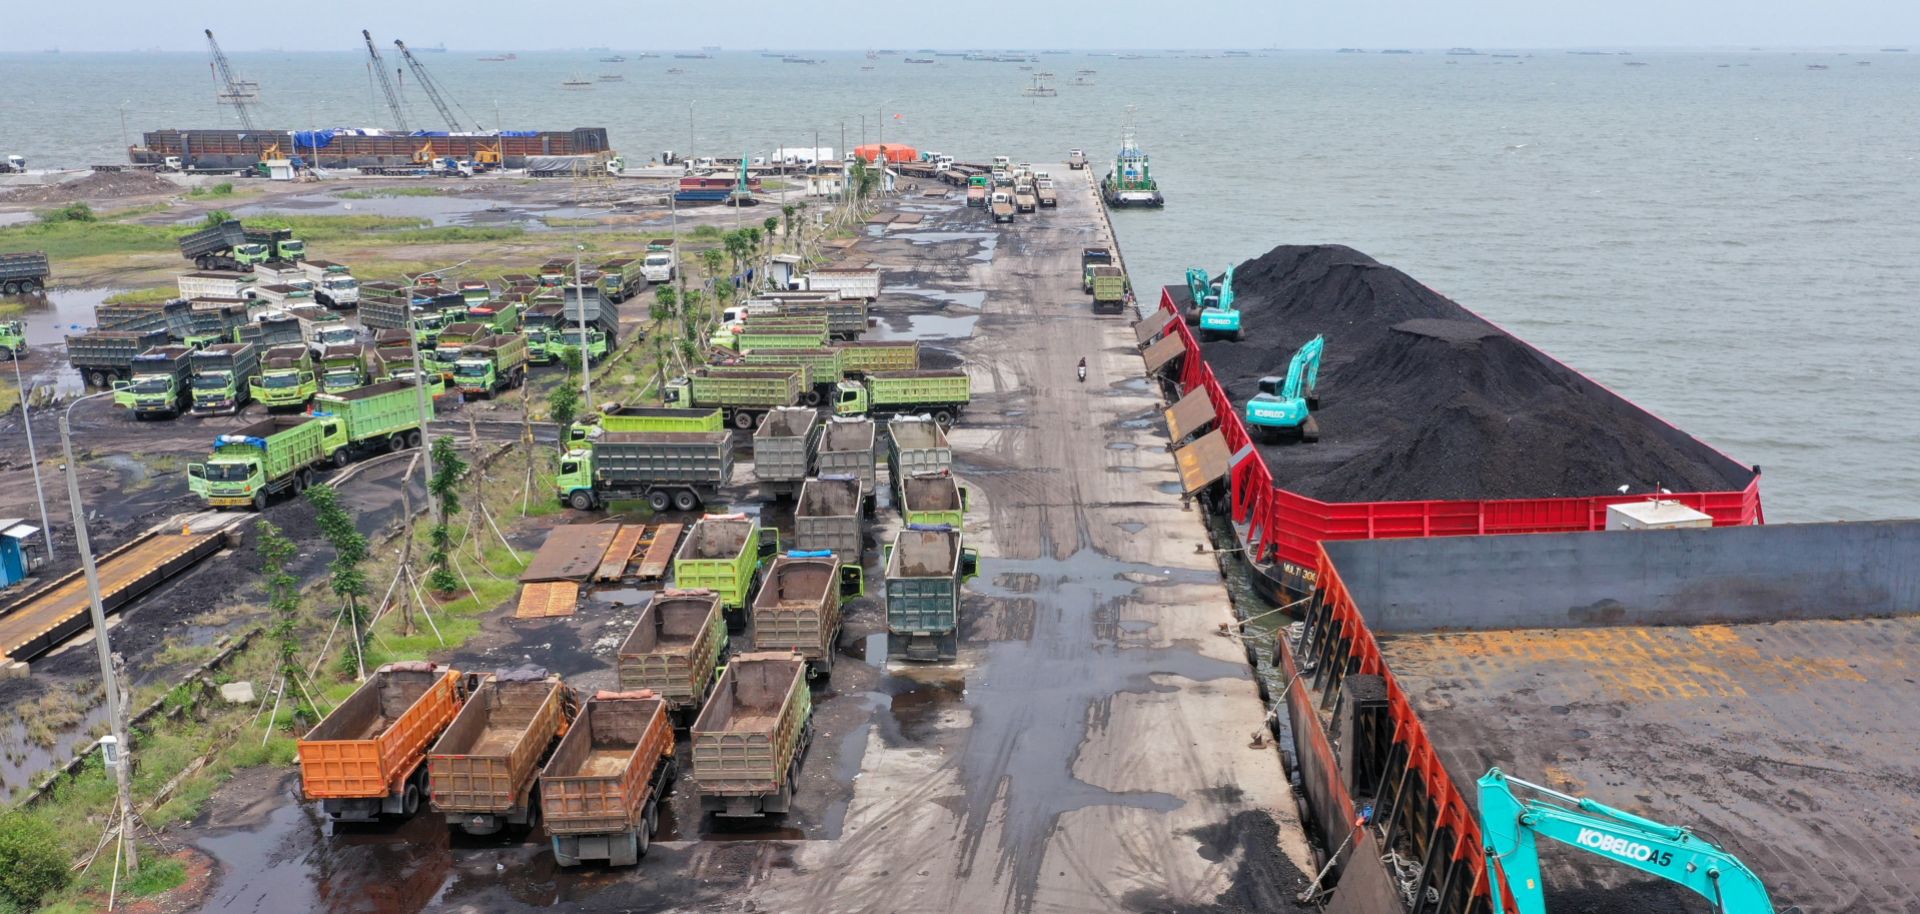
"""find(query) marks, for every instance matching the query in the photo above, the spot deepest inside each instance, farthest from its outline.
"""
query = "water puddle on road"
(974, 300)
(49, 319)
(988, 241)
(924, 327)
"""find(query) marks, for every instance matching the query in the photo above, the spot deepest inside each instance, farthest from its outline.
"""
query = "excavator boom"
(1510, 827)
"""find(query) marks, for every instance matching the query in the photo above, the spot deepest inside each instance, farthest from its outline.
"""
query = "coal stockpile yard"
(1420, 398)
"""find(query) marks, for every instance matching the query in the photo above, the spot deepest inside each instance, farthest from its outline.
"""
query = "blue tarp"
(312, 139)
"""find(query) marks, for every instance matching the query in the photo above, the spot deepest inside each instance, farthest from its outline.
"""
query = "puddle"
(974, 300)
(1140, 423)
(872, 649)
(988, 241)
(875, 230)
(623, 596)
(1131, 526)
(1172, 488)
(1131, 385)
(924, 327)
(25, 764)
(50, 318)
(16, 218)
(1120, 446)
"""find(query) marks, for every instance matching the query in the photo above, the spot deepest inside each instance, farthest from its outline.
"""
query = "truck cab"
(13, 340)
(217, 391)
(283, 387)
(576, 476)
(338, 290)
(155, 394)
(251, 253)
(475, 374)
(595, 341)
(658, 267)
(1076, 159)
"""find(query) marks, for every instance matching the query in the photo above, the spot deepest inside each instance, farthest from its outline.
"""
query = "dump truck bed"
(369, 744)
(745, 737)
(675, 647)
(601, 774)
(798, 607)
(492, 749)
(827, 516)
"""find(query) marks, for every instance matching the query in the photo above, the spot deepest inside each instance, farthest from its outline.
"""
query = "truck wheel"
(9, 288)
(742, 420)
(306, 478)
(685, 500)
(396, 444)
(413, 438)
(649, 821)
(410, 800)
(943, 417)
(299, 483)
(339, 458)
(260, 500)
(658, 501)
(581, 501)
(813, 398)
(97, 379)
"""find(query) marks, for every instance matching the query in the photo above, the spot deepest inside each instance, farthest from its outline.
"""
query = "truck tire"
(686, 500)
(812, 398)
(396, 443)
(9, 288)
(581, 501)
(410, 800)
(742, 420)
(943, 417)
(6, 354)
(98, 378)
(299, 483)
(649, 820)
(659, 500)
(260, 501)
(413, 438)
(339, 458)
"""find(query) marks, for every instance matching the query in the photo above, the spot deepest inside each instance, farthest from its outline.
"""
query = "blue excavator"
(1284, 407)
(1199, 290)
(1219, 319)
(1510, 827)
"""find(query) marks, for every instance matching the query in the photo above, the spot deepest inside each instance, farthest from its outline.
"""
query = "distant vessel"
(919, 60)
(440, 48)
(1636, 63)
(1893, 50)
(577, 83)
(1235, 54)
(614, 59)
(1039, 89)
(1131, 182)
(798, 60)
(1085, 72)
(674, 71)
(612, 78)
(693, 56)
(1816, 66)
(1396, 51)
(501, 57)
(1463, 52)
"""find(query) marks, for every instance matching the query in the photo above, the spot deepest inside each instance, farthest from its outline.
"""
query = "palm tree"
(786, 212)
(772, 226)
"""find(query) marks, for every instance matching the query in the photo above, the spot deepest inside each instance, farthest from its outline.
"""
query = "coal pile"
(1422, 399)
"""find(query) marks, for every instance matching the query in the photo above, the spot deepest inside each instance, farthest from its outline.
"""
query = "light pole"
(125, 140)
(109, 682)
(39, 489)
(586, 351)
(420, 387)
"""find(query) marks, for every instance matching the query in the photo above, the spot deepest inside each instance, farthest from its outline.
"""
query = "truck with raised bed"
(490, 365)
(931, 500)
(286, 380)
(599, 312)
(676, 649)
(333, 284)
(743, 395)
(214, 320)
(924, 569)
(367, 758)
(621, 279)
(647, 419)
(160, 383)
(104, 356)
(723, 553)
(483, 769)
(783, 449)
(272, 330)
(940, 394)
(678, 470)
(352, 366)
(916, 445)
(864, 357)
(25, 273)
(216, 284)
(601, 792)
(846, 448)
(223, 378)
(751, 737)
(252, 464)
(214, 247)
(827, 517)
(171, 316)
(383, 416)
(798, 606)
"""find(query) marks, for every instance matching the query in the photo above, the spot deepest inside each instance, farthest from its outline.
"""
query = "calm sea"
(1730, 239)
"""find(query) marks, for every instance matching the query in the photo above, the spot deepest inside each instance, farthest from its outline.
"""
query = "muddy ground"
(1088, 751)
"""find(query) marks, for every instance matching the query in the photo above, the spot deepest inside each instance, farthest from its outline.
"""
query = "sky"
(333, 25)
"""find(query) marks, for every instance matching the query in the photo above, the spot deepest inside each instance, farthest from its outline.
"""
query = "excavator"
(1219, 318)
(1511, 825)
(1285, 405)
(1199, 290)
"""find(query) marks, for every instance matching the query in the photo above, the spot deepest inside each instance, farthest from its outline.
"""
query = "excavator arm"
(1303, 373)
(1510, 827)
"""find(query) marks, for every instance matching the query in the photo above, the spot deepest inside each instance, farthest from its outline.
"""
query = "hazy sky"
(115, 25)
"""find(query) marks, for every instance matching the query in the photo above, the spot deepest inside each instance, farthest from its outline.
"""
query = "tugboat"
(1130, 182)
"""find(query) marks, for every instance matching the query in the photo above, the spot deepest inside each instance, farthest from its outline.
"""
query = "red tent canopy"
(893, 152)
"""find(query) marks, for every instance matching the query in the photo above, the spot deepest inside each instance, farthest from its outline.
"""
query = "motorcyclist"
(1083, 368)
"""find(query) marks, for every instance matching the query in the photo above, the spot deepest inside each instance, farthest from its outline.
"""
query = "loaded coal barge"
(1432, 421)
(219, 150)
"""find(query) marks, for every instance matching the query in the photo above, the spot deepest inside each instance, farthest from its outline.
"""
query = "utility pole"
(420, 396)
(39, 489)
(110, 683)
(586, 351)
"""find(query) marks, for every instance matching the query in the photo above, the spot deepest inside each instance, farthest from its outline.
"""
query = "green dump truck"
(223, 378)
(924, 569)
(251, 465)
(783, 449)
(679, 470)
(765, 334)
(931, 499)
(383, 416)
(940, 394)
(676, 649)
(621, 279)
(723, 553)
(350, 367)
(1109, 289)
(160, 383)
(865, 357)
(744, 395)
(13, 340)
(752, 735)
(287, 380)
(822, 365)
(490, 365)
(103, 356)
(647, 419)
(562, 340)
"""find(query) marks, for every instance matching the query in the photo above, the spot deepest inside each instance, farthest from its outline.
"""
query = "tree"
(772, 226)
(345, 578)
(786, 213)
(32, 864)
(444, 485)
(283, 597)
(563, 403)
(715, 261)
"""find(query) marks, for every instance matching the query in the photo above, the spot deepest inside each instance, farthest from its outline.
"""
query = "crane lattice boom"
(380, 67)
(434, 93)
(237, 92)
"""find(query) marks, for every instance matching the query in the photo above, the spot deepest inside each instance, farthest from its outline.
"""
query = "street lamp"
(108, 681)
(39, 489)
(586, 350)
(420, 384)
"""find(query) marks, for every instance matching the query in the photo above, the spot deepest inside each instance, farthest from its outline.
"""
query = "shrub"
(32, 864)
(72, 212)
(157, 876)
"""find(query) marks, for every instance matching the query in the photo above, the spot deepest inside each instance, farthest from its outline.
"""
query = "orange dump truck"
(675, 649)
(368, 757)
(485, 766)
(601, 792)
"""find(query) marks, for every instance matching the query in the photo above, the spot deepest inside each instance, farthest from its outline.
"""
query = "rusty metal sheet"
(1187, 416)
(659, 555)
(571, 553)
(613, 565)
(1203, 461)
(40, 620)
(1151, 325)
(547, 599)
(908, 218)
(1164, 350)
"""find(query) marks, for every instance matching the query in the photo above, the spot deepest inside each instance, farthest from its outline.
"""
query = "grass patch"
(222, 189)
(570, 222)
(372, 193)
(185, 654)
(148, 296)
(65, 240)
(55, 711)
(132, 211)
(156, 876)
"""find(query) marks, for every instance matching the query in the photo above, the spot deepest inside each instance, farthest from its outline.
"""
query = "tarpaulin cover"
(313, 139)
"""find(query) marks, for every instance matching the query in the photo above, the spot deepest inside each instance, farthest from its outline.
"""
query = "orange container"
(375, 739)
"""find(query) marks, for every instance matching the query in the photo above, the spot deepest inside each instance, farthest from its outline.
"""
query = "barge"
(215, 150)
(1280, 525)
(1752, 684)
